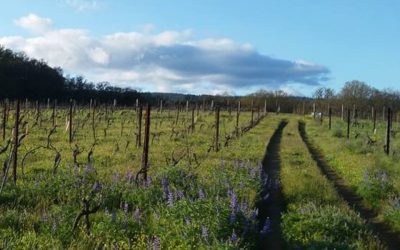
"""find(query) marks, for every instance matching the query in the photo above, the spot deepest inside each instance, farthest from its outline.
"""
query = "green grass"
(195, 211)
(366, 168)
(316, 217)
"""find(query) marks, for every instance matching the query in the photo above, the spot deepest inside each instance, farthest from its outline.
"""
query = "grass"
(316, 217)
(208, 204)
(366, 168)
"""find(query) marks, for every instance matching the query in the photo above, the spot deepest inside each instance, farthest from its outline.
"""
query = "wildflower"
(234, 201)
(232, 218)
(126, 207)
(234, 237)
(201, 194)
(97, 187)
(204, 232)
(156, 243)
(266, 228)
(180, 195)
(254, 215)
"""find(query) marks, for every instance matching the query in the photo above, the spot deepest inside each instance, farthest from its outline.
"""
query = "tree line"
(23, 77)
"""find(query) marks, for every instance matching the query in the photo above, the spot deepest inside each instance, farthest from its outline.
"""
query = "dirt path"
(271, 202)
(392, 240)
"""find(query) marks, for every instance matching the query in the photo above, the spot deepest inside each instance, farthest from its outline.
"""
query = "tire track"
(392, 240)
(271, 202)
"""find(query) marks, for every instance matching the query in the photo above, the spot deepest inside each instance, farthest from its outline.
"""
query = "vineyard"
(88, 176)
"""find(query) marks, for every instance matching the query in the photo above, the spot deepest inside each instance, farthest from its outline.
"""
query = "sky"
(211, 46)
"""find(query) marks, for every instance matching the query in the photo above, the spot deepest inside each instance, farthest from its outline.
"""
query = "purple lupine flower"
(204, 232)
(126, 207)
(234, 237)
(170, 200)
(201, 194)
(254, 214)
(97, 187)
(232, 218)
(266, 228)
(234, 201)
(156, 243)
(180, 195)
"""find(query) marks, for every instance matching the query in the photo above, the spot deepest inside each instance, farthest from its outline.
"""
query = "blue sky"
(212, 46)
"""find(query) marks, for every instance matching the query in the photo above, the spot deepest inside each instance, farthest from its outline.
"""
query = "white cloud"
(164, 61)
(34, 23)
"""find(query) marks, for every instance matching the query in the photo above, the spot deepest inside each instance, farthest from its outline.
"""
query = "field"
(275, 181)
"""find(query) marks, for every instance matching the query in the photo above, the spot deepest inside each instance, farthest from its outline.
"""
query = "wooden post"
(314, 110)
(217, 129)
(70, 120)
(252, 113)
(161, 106)
(139, 132)
(93, 120)
(348, 123)
(237, 118)
(374, 118)
(321, 118)
(177, 115)
(192, 127)
(330, 118)
(145, 156)
(389, 117)
(383, 113)
(342, 112)
(265, 106)
(16, 142)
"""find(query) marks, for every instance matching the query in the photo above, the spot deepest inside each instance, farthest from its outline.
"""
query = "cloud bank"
(164, 61)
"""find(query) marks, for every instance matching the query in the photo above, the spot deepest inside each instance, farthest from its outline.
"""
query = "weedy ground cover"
(316, 217)
(363, 164)
(194, 197)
